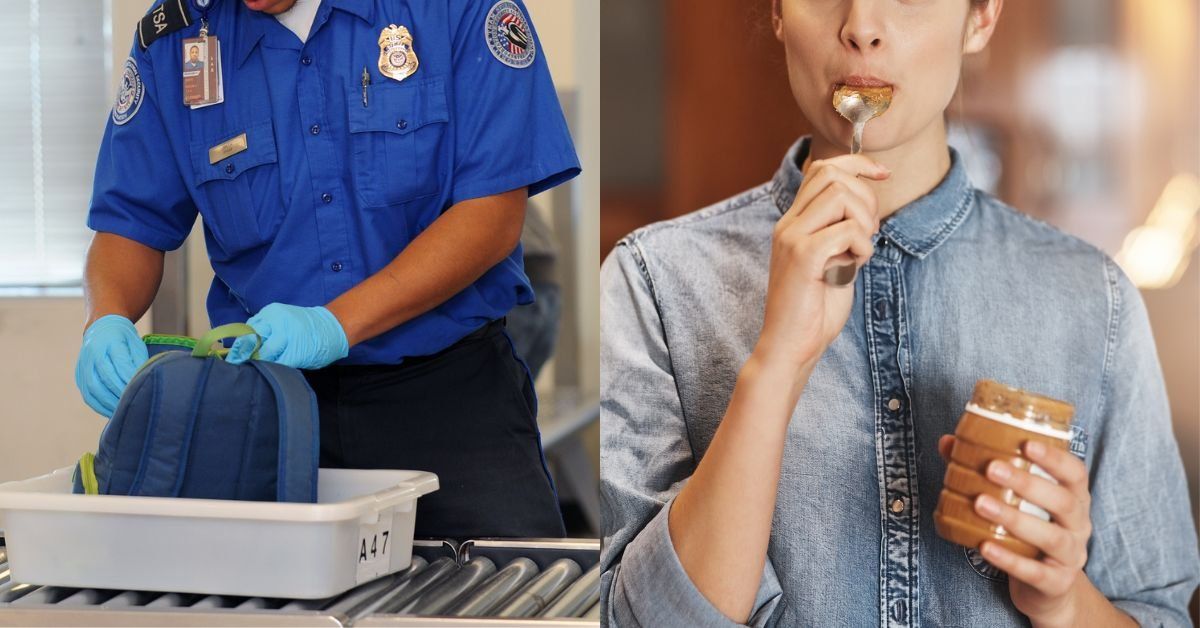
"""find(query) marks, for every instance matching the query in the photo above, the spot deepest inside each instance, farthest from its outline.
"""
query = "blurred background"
(1082, 113)
(60, 62)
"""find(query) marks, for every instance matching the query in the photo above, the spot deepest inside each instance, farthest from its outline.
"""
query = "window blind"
(54, 72)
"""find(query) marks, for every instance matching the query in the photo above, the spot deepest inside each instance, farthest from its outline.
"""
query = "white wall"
(587, 240)
(44, 423)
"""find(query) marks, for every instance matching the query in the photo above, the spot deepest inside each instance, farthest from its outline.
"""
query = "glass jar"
(998, 421)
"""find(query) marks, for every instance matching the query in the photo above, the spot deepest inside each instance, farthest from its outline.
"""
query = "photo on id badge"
(195, 83)
(194, 64)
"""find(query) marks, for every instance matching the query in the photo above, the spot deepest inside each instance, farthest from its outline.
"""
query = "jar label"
(1008, 419)
(1031, 508)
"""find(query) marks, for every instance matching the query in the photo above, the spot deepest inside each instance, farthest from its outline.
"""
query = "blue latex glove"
(300, 337)
(111, 353)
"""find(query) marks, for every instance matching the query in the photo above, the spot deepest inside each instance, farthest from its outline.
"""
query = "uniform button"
(403, 124)
(306, 60)
(228, 168)
(898, 506)
(315, 129)
(894, 405)
(336, 267)
(327, 197)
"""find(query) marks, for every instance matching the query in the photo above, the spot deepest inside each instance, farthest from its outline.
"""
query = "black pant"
(466, 414)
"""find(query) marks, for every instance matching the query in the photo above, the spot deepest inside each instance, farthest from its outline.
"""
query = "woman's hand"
(833, 220)
(1052, 591)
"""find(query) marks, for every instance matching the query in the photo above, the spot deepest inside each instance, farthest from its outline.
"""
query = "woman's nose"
(855, 41)
(862, 29)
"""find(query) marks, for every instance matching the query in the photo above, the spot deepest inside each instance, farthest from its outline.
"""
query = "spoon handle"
(842, 274)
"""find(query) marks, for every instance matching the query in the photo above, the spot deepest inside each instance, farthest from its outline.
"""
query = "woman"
(770, 442)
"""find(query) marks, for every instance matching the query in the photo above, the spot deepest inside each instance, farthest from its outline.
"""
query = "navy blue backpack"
(191, 424)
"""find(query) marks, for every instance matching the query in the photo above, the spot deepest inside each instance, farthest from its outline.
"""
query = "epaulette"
(166, 18)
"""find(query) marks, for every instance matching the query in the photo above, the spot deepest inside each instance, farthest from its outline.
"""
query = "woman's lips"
(863, 81)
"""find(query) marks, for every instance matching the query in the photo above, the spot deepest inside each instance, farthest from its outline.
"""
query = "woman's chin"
(878, 136)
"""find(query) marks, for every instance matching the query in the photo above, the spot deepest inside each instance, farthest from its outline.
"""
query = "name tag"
(227, 149)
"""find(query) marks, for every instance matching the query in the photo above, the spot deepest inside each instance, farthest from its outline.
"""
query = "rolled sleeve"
(645, 460)
(650, 587)
(1143, 554)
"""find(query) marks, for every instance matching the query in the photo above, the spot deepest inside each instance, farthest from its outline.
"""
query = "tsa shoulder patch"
(130, 94)
(508, 35)
(164, 19)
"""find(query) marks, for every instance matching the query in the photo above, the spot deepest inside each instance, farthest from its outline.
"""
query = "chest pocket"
(396, 139)
(241, 197)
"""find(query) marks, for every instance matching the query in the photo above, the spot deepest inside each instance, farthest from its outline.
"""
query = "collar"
(917, 228)
(364, 9)
(251, 25)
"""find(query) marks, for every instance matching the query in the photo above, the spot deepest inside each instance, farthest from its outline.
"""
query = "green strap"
(204, 346)
(87, 465)
(165, 339)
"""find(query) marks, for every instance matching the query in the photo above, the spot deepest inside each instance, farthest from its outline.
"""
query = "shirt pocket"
(396, 140)
(982, 566)
(240, 196)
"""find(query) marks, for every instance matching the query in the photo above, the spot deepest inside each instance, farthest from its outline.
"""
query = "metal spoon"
(855, 109)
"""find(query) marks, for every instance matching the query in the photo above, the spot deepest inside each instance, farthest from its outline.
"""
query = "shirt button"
(315, 129)
(336, 267)
(894, 405)
(898, 506)
(306, 60)
(881, 308)
(228, 168)
(327, 197)
(403, 124)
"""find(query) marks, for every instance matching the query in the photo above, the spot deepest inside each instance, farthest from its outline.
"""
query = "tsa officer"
(361, 171)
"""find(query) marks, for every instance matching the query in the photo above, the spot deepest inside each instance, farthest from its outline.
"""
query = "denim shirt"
(960, 288)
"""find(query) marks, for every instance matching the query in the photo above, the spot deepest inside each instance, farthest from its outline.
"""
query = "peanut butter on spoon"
(876, 99)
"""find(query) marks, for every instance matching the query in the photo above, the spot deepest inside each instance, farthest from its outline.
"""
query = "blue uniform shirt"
(331, 186)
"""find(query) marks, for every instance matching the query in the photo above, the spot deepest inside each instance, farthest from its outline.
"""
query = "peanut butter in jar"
(998, 421)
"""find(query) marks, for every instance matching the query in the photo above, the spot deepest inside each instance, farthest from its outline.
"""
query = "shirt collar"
(364, 9)
(251, 25)
(917, 228)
